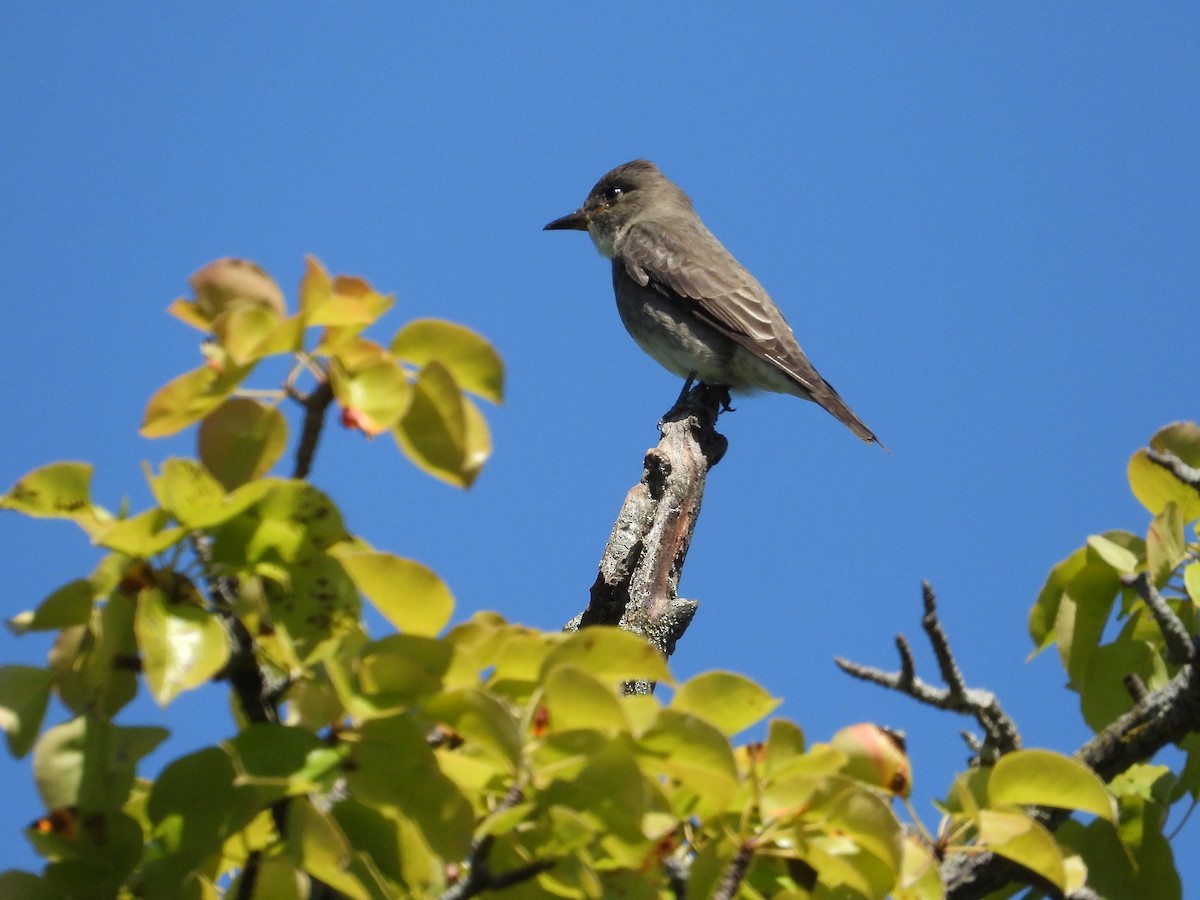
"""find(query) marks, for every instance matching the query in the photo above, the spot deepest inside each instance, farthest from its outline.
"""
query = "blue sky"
(981, 220)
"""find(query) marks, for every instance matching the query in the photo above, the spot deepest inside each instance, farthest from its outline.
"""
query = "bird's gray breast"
(669, 331)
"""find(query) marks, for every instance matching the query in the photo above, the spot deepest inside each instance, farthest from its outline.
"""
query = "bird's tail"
(833, 403)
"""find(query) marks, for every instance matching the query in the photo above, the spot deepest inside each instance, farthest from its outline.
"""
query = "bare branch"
(637, 584)
(315, 403)
(732, 879)
(478, 874)
(1180, 648)
(1189, 475)
(1000, 731)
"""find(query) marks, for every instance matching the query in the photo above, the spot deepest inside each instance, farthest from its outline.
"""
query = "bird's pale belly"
(684, 344)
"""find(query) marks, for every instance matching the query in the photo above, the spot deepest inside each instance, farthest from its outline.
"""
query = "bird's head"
(625, 194)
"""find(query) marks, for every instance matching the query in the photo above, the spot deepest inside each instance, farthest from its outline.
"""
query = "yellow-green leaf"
(693, 752)
(143, 535)
(469, 356)
(1165, 544)
(341, 301)
(410, 595)
(1012, 834)
(481, 721)
(70, 605)
(1154, 487)
(1044, 778)
(324, 851)
(189, 398)
(610, 653)
(432, 432)
(241, 440)
(727, 700)
(60, 490)
(183, 645)
(1120, 549)
(248, 332)
(575, 699)
(24, 693)
(373, 395)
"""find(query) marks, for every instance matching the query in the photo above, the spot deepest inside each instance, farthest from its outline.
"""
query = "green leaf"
(94, 667)
(433, 431)
(1083, 611)
(183, 644)
(60, 490)
(341, 301)
(785, 743)
(70, 605)
(281, 758)
(1141, 867)
(1166, 547)
(469, 357)
(609, 653)
(374, 395)
(481, 721)
(1120, 549)
(575, 699)
(248, 332)
(403, 668)
(195, 804)
(291, 521)
(392, 768)
(696, 754)
(1102, 693)
(1044, 614)
(89, 762)
(408, 594)
(1191, 581)
(185, 489)
(727, 700)
(24, 694)
(241, 440)
(1153, 485)
(144, 535)
(1012, 834)
(17, 885)
(325, 852)
(1045, 778)
(190, 397)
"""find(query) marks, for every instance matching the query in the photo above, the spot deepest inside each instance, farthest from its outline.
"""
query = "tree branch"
(479, 876)
(1179, 646)
(732, 879)
(1001, 735)
(638, 581)
(1189, 475)
(315, 403)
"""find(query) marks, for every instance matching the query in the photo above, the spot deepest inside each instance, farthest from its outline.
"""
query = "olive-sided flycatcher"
(686, 301)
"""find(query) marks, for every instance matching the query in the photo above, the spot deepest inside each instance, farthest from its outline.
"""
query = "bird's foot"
(704, 400)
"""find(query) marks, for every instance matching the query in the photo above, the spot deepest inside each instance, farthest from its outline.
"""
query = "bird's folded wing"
(718, 289)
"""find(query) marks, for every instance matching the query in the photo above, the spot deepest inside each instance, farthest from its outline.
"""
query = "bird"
(686, 301)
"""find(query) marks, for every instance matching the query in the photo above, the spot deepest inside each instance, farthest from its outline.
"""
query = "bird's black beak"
(576, 221)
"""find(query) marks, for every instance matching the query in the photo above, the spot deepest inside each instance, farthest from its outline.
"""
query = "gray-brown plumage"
(686, 301)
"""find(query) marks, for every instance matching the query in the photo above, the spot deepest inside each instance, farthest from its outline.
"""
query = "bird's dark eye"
(611, 194)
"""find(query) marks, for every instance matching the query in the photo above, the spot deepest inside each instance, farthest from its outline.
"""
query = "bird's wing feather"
(719, 290)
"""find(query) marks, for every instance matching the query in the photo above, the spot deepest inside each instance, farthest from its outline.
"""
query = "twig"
(479, 876)
(315, 403)
(727, 888)
(1189, 475)
(1001, 735)
(636, 587)
(1180, 648)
